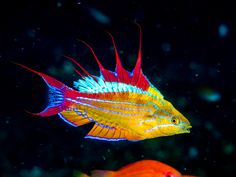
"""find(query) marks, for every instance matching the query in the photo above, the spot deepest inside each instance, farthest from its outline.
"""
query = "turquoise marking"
(131, 109)
(100, 108)
(156, 89)
(123, 103)
(89, 85)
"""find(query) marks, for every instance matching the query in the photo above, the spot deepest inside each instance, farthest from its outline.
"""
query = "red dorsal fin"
(81, 67)
(122, 74)
(81, 75)
(137, 68)
(108, 75)
(95, 56)
(138, 79)
(75, 62)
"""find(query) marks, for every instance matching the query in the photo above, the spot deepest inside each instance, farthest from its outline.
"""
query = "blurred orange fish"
(123, 105)
(143, 168)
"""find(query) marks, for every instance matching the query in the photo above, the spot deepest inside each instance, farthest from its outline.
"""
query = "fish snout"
(187, 128)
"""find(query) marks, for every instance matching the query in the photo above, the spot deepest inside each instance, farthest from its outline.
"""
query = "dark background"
(188, 53)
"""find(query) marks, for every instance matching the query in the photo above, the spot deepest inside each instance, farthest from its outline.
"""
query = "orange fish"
(143, 168)
(123, 105)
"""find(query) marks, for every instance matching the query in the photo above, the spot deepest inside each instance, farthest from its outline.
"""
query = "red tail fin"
(56, 100)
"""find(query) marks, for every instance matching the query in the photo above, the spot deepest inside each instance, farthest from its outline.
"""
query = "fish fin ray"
(110, 133)
(122, 74)
(75, 117)
(136, 78)
(56, 92)
(108, 75)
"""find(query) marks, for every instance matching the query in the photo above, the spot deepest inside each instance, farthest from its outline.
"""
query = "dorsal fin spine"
(137, 68)
(95, 56)
(118, 62)
(135, 78)
(81, 75)
(81, 67)
(122, 74)
(108, 75)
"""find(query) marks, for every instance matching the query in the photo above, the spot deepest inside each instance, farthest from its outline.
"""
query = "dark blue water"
(188, 54)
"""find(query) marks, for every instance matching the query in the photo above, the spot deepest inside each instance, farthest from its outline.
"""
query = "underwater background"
(188, 53)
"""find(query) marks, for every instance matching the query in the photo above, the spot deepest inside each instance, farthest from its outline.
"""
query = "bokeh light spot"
(223, 30)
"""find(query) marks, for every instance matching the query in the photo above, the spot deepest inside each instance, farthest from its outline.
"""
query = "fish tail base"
(56, 99)
(56, 96)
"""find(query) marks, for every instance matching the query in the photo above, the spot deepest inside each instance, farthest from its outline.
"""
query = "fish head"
(168, 121)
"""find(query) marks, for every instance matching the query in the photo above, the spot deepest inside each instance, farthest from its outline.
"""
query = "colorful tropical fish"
(143, 168)
(123, 105)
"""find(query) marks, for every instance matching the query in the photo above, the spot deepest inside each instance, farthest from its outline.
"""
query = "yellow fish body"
(122, 105)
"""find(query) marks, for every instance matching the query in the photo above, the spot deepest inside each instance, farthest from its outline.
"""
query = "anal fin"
(107, 133)
(74, 117)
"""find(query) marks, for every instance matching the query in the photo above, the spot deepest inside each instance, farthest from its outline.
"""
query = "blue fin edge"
(105, 139)
(65, 120)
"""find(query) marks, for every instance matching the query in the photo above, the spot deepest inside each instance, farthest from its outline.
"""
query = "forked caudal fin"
(56, 96)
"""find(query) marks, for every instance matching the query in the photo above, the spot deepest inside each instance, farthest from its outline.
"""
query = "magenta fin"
(56, 102)
(136, 78)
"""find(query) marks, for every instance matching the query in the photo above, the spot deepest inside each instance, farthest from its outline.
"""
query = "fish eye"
(175, 120)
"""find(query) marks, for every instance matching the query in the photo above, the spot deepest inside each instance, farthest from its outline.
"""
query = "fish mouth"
(187, 129)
